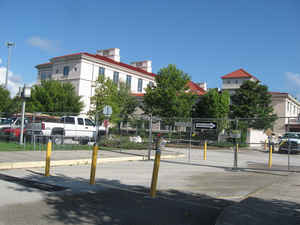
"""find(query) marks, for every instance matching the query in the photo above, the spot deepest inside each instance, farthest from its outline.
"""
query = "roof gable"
(240, 73)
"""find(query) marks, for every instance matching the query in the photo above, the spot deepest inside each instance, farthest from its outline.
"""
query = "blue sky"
(206, 39)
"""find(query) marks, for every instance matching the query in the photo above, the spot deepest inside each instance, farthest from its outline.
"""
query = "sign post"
(107, 111)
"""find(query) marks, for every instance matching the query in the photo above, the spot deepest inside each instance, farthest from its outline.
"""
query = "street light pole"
(8, 44)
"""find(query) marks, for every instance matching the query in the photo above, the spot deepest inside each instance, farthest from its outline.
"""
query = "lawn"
(14, 146)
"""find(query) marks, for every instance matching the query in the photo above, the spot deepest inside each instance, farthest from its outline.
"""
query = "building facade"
(287, 108)
(83, 69)
(235, 79)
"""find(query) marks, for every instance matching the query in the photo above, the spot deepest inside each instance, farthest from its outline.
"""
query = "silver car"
(290, 141)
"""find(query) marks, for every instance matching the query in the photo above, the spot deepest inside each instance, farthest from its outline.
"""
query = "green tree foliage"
(5, 100)
(170, 97)
(54, 97)
(118, 97)
(213, 104)
(252, 100)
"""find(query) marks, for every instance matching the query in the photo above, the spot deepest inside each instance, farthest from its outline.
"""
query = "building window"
(128, 81)
(116, 77)
(101, 71)
(66, 70)
(43, 76)
(151, 84)
(57, 71)
(228, 81)
(236, 81)
(140, 85)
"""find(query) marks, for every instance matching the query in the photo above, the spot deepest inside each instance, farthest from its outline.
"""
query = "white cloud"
(43, 44)
(0, 61)
(13, 83)
(293, 78)
(293, 83)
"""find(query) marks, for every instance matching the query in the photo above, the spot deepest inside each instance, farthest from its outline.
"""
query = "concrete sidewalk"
(30, 159)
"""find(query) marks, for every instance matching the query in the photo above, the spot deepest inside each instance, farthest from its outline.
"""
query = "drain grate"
(32, 184)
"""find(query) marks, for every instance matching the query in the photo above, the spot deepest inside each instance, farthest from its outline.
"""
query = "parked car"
(75, 127)
(13, 122)
(11, 133)
(289, 141)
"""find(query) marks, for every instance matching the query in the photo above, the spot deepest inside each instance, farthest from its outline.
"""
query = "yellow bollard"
(155, 174)
(205, 149)
(94, 164)
(48, 157)
(237, 147)
(270, 156)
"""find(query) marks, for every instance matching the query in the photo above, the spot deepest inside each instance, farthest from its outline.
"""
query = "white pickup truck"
(75, 127)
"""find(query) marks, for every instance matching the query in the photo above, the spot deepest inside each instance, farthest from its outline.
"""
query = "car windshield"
(6, 121)
(292, 135)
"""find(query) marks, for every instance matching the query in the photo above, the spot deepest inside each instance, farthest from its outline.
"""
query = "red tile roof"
(240, 73)
(193, 87)
(138, 94)
(119, 64)
(100, 57)
(196, 88)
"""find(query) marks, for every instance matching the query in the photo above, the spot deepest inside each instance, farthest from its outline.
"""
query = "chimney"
(203, 85)
(112, 53)
(144, 65)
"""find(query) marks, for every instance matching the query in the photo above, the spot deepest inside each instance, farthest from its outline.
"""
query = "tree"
(213, 104)
(5, 100)
(54, 97)
(252, 100)
(170, 97)
(117, 96)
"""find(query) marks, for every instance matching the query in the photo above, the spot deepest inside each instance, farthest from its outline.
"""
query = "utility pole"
(8, 44)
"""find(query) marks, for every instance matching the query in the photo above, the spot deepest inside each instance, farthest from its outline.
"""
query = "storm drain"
(32, 184)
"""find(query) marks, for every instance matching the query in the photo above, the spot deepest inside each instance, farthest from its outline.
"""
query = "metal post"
(270, 156)
(235, 164)
(150, 137)
(8, 44)
(94, 164)
(48, 157)
(190, 146)
(22, 121)
(289, 151)
(205, 149)
(155, 173)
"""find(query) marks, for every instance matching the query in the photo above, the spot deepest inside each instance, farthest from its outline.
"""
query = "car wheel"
(58, 140)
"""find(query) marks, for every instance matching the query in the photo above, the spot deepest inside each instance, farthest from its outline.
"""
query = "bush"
(122, 142)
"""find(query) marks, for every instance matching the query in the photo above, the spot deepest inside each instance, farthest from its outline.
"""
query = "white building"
(83, 69)
(287, 108)
(235, 79)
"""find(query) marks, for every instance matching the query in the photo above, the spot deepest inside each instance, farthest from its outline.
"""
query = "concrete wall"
(256, 138)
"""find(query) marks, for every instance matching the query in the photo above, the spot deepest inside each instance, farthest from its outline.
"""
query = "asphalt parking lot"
(187, 180)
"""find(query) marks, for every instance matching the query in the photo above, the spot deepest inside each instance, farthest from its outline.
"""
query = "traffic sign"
(183, 124)
(205, 125)
(107, 110)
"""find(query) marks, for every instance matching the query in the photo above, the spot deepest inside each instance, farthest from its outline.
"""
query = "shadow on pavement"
(111, 202)
(254, 211)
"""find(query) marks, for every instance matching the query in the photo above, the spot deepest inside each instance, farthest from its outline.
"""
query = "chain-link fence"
(238, 143)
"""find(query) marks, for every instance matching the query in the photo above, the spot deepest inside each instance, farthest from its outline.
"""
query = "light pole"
(26, 92)
(8, 44)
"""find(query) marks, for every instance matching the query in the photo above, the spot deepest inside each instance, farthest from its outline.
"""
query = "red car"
(12, 133)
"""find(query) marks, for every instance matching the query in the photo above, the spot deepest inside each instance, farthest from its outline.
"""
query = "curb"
(76, 162)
